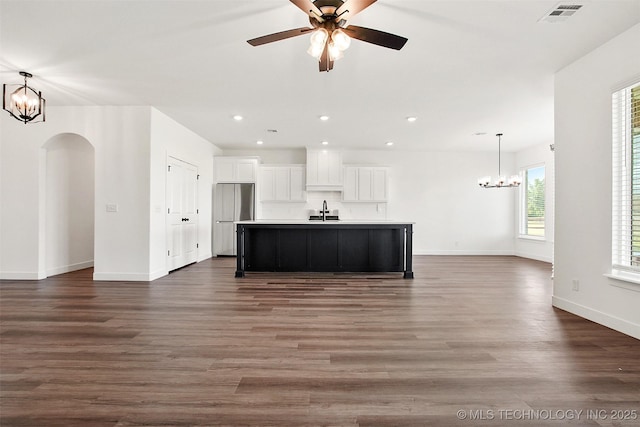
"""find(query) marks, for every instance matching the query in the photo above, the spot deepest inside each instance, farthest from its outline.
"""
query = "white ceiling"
(469, 66)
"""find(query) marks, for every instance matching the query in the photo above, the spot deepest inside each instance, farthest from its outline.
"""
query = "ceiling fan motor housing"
(328, 24)
(328, 9)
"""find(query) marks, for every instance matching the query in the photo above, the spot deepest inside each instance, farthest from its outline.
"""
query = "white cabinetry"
(236, 169)
(282, 183)
(324, 170)
(297, 184)
(365, 184)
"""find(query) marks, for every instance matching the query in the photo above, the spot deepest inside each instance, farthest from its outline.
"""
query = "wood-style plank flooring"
(199, 347)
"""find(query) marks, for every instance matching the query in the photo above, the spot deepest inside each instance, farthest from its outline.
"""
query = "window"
(532, 218)
(626, 179)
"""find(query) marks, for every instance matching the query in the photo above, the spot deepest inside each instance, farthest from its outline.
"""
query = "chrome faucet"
(325, 211)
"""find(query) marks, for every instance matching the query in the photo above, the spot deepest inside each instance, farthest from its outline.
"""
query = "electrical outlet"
(112, 207)
(575, 285)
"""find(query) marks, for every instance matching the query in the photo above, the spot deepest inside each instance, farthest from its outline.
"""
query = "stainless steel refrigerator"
(233, 202)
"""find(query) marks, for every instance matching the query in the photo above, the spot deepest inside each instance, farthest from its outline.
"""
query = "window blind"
(626, 179)
(533, 215)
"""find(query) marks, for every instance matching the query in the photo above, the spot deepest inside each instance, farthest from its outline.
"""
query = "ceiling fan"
(330, 33)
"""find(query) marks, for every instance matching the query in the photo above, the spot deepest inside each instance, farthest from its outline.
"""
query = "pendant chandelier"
(501, 181)
(23, 102)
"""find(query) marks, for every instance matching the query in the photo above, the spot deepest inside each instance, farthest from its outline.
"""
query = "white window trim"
(621, 194)
(534, 238)
(522, 213)
(633, 279)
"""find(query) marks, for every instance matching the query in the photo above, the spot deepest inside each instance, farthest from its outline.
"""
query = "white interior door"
(182, 213)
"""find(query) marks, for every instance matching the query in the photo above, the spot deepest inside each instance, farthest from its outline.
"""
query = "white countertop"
(319, 222)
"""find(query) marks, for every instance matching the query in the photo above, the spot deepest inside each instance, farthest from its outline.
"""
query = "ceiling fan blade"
(351, 7)
(377, 37)
(308, 7)
(279, 36)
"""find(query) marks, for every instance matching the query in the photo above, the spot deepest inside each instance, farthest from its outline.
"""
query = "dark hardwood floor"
(471, 341)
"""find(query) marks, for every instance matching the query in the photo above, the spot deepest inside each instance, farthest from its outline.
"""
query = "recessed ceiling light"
(325, 142)
(411, 119)
(237, 117)
(324, 118)
(389, 143)
(259, 142)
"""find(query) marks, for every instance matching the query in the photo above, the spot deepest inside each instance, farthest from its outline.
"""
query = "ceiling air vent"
(561, 12)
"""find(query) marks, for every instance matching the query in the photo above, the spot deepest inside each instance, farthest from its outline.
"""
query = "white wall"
(131, 145)
(69, 207)
(583, 185)
(120, 137)
(169, 138)
(525, 247)
(436, 190)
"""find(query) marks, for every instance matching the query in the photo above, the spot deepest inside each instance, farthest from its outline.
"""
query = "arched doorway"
(69, 203)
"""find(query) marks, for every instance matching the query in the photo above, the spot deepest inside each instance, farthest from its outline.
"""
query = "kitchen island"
(324, 246)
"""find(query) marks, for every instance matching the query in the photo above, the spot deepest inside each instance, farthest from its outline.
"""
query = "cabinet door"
(246, 170)
(379, 192)
(312, 167)
(267, 184)
(282, 183)
(334, 167)
(365, 184)
(224, 169)
(297, 184)
(350, 191)
(324, 168)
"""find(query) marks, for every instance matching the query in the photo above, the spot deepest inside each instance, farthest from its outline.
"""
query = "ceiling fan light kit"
(23, 102)
(331, 35)
(501, 181)
(340, 39)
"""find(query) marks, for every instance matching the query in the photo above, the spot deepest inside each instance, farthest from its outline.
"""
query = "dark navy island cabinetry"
(312, 246)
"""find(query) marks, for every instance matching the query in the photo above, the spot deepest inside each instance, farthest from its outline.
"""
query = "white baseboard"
(124, 277)
(534, 256)
(97, 276)
(71, 267)
(487, 252)
(464, 252)
(158, 274)
(21, 275)
(205, 256)
(599, 317)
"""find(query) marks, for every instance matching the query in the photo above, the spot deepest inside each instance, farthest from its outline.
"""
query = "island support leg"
(408, 252)
(240, 250)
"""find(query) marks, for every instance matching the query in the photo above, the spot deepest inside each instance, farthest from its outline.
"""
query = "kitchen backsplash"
(346, 210)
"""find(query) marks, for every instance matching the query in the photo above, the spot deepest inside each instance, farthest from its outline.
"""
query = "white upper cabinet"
(350, 192)
(324, 170)
(282, 183)
(365, 184)
(236, 169)
(267, 183)
(297, 184)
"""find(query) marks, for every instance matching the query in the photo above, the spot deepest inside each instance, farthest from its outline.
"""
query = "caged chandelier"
(501, 181)
(23, 102)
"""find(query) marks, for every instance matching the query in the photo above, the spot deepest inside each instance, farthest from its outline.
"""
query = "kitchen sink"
(326, 218)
